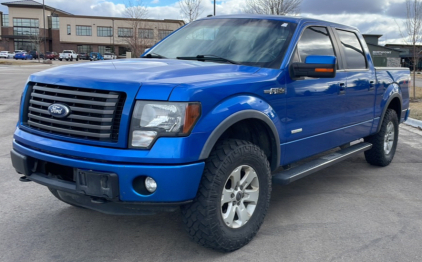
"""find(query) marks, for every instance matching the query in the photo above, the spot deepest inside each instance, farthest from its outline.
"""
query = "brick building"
(23, 28)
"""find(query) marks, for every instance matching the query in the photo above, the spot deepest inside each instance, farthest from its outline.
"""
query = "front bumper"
(176, 184)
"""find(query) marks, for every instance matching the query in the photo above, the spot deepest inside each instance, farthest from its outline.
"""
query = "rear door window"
(353, 51)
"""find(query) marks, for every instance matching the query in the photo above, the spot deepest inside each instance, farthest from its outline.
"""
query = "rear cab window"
(354, 55)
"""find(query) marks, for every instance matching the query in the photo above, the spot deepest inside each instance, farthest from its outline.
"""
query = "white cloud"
(384, 21)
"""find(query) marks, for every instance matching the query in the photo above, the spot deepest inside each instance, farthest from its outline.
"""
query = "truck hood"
(158, 77)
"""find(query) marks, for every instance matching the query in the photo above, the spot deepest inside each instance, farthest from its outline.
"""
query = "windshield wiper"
(207, 57)
(153, 55)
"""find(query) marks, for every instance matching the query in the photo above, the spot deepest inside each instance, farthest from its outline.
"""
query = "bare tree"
(35, 39)
(272, 7)
(136, 13)
(190, 9)
(412, 34)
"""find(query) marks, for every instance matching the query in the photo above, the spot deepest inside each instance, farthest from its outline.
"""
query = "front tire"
(384, 143)
(232, 199)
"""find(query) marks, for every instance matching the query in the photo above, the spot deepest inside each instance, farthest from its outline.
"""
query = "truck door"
(313, 104)
(359, 95)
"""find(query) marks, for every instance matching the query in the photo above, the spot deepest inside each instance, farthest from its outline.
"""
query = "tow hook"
(98, 200)
(24, 179)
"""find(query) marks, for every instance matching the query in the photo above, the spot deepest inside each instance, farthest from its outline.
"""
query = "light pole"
(214, 7)
(45, 38)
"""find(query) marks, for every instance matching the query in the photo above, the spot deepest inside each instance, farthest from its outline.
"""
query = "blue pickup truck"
(208, 119)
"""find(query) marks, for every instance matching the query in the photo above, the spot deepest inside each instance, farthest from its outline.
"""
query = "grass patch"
(416, 110)
(17, 62)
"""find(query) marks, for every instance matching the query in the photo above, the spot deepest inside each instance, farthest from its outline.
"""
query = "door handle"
(371, 85)
(342, 88)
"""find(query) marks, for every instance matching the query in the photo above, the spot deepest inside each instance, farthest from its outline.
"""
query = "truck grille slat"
(70, 92)
(61, 122)
(64, 131)
(87, 110)
(88, 118)
(71, 100)
(94, 114)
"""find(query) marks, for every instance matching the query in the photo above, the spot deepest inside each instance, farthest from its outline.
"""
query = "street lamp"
(214, 7)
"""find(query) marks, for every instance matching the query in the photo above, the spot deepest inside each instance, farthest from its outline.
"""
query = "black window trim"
(344, 55)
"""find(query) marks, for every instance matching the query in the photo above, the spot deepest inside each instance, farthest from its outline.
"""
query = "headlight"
(151, 120)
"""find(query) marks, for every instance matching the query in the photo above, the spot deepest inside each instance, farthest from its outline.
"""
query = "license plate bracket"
(98, 184)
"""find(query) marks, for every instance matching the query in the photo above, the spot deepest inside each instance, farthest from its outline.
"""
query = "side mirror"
(315, 66)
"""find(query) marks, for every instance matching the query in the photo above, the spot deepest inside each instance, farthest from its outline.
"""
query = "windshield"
(253, 42)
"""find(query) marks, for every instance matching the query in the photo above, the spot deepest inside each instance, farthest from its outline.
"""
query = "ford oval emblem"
(59, 110)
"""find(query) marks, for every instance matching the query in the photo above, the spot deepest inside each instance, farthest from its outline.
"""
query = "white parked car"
(109, 56)
(4, 54)
(68, 55)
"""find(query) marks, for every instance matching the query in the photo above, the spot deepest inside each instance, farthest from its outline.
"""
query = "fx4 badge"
(275, 91)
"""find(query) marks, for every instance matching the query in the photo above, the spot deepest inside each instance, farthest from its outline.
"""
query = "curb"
(414, 122)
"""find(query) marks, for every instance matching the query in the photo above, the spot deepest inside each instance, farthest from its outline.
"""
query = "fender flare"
(386, 107)
(234, 118)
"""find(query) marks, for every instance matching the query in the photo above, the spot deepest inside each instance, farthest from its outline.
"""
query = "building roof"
(375, 35)
(35, 4)
(384, 47)
(32, 4)
(402, 45)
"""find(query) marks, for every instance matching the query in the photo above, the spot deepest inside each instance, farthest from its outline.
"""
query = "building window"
(163, 33)
(104, 31)
(105, 49)
(23, 26)
(26, 22)
(124, 32)
(84, 49)
(83, 30)
(146, 33)
(5, 20)
(25, 45)
(123, 50)
(69, 30)
(55, 22)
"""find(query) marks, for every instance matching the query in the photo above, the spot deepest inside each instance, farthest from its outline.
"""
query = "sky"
(383, 17)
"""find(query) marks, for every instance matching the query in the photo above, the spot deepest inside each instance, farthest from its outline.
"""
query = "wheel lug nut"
(232, 195)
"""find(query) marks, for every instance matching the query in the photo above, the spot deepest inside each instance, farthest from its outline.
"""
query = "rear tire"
(384, 143)
(226, 215)
(56, 194)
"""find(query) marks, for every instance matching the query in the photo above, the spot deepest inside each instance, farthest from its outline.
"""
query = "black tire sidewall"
(376, 155)
(250, 159)
(203, 217)
(393, 119)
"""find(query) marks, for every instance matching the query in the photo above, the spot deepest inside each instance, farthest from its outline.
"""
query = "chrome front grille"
(94, 114)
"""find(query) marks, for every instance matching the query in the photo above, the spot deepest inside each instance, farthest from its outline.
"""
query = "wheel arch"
(394, 102)
(254, 118)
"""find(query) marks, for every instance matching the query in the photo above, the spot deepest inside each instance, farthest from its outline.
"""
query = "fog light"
(143, 138)
(150, 184)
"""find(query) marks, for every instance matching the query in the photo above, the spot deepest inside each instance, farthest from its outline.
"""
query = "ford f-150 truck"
(208, 119)
(68, 55)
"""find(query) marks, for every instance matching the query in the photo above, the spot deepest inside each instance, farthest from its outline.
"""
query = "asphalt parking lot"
(349, 212)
